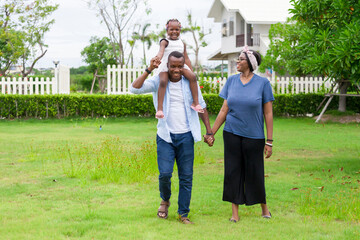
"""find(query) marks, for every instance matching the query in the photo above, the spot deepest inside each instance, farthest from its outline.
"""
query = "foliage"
(321, 38)
(209, 86)
(117, 16)
(84, 105)
(23, 25)
(81, 79)
(80, 70)
(82, 82)
(145, 37)
(11, 48)
(198, 35)
(44, 106)
(43, 73)
(98, 55)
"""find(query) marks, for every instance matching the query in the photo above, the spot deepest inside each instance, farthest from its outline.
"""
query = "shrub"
(85, 105)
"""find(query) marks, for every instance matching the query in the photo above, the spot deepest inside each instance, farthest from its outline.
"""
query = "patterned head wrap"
(251, 59)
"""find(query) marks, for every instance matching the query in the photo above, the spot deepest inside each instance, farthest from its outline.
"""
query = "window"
(224, 28)
(231, 26)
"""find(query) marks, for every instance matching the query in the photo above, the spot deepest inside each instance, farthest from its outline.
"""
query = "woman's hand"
(209, 139)
(267, 151)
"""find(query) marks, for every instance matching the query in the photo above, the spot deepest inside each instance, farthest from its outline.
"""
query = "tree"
(23, 26)
(11, 49)
(98, 55)
(321, 38)
(117, 16)
(198, 35)
(145, 38)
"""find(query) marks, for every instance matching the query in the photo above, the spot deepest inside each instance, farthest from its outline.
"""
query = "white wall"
(228, 43)
(261, 28)
(239, 24)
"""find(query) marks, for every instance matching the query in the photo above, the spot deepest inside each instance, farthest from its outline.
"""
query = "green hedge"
(75, 105)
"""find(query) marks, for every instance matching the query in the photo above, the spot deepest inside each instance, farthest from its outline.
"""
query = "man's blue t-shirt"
(245, 101)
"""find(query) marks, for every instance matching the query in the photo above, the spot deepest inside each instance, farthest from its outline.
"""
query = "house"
(245, 22)
(15, 70)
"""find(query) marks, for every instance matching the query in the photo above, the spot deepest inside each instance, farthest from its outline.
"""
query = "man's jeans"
(181, 149)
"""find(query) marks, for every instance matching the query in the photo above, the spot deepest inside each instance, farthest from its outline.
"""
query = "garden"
(83, 165)
(96, 178)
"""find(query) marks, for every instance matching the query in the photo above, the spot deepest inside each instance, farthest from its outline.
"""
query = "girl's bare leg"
(194, 90)
(164, 78)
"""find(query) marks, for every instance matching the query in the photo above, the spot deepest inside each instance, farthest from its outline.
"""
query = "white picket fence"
(293, 85)
(119, 81)
(27, 86)
(119, 78)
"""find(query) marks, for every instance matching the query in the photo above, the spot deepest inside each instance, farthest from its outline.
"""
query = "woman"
(247, 101)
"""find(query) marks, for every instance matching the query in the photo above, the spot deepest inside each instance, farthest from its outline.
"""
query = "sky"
(75, 23)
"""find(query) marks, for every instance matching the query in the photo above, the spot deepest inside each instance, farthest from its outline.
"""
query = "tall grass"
(111, 160)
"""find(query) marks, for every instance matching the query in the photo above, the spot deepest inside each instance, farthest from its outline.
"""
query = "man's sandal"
(185, 220)
(163, 209)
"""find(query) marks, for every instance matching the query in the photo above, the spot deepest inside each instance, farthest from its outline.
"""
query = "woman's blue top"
(246, 116)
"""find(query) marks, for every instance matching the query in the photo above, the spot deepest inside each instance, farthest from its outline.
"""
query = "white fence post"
(64, 79)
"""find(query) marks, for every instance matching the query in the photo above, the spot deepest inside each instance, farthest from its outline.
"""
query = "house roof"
(253, 11)
(217, 55)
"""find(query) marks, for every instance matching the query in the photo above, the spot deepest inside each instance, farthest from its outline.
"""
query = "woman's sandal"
(267, 216)
(163, 209)
(233, 220)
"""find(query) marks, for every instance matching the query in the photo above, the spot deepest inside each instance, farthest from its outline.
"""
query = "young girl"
(168, 45)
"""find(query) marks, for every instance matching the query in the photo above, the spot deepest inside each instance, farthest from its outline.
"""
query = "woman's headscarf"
(251, 59)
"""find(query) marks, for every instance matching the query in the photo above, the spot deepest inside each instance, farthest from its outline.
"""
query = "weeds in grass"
(113, 160)
(327, 200)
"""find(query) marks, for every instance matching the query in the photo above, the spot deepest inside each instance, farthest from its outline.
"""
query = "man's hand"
(154, 63)
(209, 139)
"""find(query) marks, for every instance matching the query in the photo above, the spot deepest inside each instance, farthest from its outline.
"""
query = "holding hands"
(209, 139)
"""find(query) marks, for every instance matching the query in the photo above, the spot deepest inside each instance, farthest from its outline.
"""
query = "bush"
(74, 105)
(77, 105)
(82, 82)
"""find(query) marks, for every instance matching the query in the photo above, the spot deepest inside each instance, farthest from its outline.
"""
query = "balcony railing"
(252, 40)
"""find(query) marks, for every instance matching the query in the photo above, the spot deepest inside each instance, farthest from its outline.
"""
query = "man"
(176, 133)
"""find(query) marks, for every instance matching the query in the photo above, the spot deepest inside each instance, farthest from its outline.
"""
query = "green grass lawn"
(67, 179)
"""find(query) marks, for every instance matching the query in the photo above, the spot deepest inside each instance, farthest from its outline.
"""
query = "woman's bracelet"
(209, 134)
(269, 144)
(269, 140)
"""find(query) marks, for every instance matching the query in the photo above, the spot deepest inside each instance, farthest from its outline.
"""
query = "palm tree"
(198, 35)
(145, 38)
